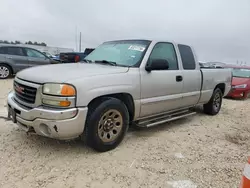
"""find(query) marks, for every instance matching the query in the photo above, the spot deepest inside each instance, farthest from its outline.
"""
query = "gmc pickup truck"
(141, 83)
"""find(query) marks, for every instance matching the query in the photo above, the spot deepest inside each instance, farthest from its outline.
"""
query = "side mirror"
(158, 64)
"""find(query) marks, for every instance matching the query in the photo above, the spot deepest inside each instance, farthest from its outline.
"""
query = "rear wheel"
(5, 71)
(106, 125)
(214, 105)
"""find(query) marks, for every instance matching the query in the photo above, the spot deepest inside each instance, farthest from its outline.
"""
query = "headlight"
(60, 103)
(240, 86)
(59, 89)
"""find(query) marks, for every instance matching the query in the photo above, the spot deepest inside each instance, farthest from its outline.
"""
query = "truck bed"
(210, 78)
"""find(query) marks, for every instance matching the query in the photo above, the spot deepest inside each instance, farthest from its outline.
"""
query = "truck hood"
(240, 81)
(61, 73)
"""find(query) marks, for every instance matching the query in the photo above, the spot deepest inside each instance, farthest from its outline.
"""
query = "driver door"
(36, 58)
(161, 90)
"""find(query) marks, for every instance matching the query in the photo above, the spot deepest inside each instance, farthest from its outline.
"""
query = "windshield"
(124, 53)
(242, 73)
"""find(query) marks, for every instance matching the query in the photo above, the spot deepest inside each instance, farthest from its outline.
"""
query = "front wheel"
(214, 105)
(106, 124)
(5, 71)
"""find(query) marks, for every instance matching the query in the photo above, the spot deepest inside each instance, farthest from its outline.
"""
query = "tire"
(5, 71)
(106, 124)
(214, 105)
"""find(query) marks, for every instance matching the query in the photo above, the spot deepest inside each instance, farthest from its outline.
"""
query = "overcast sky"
(218, 29)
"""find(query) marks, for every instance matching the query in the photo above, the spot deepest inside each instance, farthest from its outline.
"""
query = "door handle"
(179, 78)
(9, 57)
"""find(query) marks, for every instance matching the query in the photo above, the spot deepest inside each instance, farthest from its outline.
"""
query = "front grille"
(25, 93)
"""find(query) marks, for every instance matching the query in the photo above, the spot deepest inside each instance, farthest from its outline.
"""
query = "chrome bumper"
(63, 124)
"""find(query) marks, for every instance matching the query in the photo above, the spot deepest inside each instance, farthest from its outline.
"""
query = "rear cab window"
(187, 57)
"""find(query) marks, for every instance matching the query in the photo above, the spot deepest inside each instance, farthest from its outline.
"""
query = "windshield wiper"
(106, 62)
(87, 61)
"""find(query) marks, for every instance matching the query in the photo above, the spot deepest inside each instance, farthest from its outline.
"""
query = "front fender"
(91, 94)
(92, 87)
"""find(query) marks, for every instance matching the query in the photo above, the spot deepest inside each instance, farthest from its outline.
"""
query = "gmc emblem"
(20, 89)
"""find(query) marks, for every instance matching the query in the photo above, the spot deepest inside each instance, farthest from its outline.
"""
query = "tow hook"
(55, 127)
(30, 130)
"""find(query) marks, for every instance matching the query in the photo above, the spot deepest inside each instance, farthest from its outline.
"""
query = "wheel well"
(126, 98)
(11, 69)
(222, 87)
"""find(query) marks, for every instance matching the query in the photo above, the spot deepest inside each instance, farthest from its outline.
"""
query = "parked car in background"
(240, 82)
(216, 64)
(15, 58)
(211, 65)
(49, 55)
(74, 57)
(54, 57)
(57, 57)
(141, 83)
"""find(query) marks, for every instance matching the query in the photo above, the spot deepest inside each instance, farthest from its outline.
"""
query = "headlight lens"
(59, 89)
(240, 86)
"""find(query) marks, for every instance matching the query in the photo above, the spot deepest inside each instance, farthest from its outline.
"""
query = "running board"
(156, 120)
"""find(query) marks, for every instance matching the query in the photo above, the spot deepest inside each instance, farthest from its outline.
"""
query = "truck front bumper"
(62, 124)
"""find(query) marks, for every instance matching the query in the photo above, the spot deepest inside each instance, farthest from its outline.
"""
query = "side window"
(15, 51)
(187, 57)
(34, 53)
(165, 51)
(3, 50)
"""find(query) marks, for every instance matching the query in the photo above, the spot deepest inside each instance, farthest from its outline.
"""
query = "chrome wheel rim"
(217, 101)
(4, 72)
(110, 125)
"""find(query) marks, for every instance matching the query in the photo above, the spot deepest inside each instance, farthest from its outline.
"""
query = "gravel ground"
(199, 151)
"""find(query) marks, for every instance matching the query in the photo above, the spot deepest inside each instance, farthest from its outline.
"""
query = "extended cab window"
(187, 57)
(34, 53)
(15, 51)
(165, 51)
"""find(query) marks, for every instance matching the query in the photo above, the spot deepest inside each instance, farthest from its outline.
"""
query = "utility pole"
(76, 37)
(80, 43)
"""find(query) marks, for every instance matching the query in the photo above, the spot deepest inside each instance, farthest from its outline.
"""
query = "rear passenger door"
(16, 57)
(191, 76)
(36, 58)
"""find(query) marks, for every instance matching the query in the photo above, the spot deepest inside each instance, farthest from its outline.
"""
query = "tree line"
(18, 42)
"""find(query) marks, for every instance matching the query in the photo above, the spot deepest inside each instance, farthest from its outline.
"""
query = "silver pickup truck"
(141, 83)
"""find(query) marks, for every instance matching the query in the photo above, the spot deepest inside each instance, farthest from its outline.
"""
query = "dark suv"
(14, 58)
